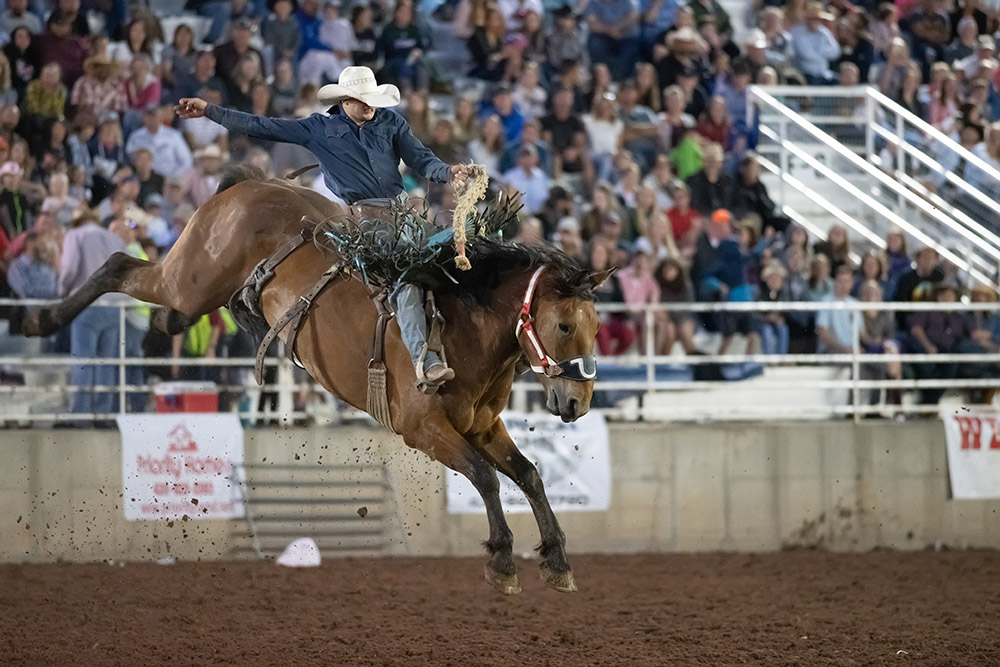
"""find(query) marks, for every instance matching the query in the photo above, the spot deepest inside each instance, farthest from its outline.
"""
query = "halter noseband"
(579, 369)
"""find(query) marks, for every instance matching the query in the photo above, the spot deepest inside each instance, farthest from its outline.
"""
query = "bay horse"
(490, 332)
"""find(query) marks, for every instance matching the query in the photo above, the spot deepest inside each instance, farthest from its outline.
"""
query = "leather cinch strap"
(293, 317)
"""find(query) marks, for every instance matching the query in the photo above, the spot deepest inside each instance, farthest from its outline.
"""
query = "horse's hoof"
(561, 581)
(507, 584)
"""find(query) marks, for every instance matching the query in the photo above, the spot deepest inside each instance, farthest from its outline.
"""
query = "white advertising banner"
(180, 465)
(973, 438)
(572, 460)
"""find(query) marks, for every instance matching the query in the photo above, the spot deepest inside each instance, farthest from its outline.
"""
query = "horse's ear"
(600, 276)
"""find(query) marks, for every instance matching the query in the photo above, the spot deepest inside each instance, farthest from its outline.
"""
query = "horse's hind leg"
(123, 273)
(499, 449)
(454, 451)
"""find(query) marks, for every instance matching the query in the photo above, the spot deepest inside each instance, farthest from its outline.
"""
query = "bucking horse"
(518, 306)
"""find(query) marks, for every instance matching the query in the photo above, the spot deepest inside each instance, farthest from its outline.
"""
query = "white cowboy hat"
(358, 83)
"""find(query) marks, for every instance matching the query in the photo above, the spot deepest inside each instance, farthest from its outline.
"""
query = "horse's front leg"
(500, 450)
(445, 445)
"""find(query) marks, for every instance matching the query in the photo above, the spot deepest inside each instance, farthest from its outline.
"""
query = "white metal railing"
(865, 185)
(645, 364)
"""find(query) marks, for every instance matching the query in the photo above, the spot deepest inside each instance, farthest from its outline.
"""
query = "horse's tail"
(238, 173)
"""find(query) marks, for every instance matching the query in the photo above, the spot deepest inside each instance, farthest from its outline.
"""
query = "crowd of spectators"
(624, 125)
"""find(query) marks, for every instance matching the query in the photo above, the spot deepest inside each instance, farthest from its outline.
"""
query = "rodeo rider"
(359, 149)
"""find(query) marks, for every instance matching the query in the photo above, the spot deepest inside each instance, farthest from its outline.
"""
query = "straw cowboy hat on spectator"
(358, 83)
(816, 10)
(93, 63)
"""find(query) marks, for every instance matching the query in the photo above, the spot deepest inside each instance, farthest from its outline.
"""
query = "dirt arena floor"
(794, 608)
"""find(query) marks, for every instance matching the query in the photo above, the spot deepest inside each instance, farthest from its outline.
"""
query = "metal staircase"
(854, 157)
(346, 509)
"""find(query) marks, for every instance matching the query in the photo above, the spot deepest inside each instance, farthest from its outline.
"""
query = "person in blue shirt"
(614, 34)
(359, 148)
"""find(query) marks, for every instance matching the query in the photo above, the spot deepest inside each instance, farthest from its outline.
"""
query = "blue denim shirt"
(362, 165)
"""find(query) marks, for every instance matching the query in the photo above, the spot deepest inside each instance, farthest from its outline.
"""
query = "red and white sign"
(973, 438)
(180, 465)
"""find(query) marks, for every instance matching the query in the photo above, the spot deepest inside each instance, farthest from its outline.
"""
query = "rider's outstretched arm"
(297, 131)
(417, 156)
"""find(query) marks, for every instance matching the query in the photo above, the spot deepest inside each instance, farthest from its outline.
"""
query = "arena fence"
(862, 160)
(640, 384)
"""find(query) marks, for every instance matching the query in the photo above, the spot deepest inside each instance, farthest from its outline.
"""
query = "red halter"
(578, 369)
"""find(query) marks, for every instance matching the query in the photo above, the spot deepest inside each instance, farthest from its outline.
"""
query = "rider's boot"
(408, 302)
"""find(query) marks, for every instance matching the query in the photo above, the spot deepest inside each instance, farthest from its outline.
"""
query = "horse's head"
(557, 331)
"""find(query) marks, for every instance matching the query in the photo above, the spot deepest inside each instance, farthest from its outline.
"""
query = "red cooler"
(186, 397)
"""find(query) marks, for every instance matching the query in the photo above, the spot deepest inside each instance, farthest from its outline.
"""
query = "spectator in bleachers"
(530, 232)
(835, 329)
(443, 142)
(487, 148)
(142, 87)
(228, 54)
(100, 90)
(568, 240)
(77, 19)
(60, 203)
(604, 130)
(640, 288)
(872, 269)
(59, 45)
(678, 325)
(16, 15)
(820, 281)
(150, 182)
(685, 222)
(885, 29)
(15, 211)
(944, 104)
(137, 41)
(503, 105)
(365, 53)
(778, 43)
(897, 261)
(282, 31)
(836, 247)
(774, 333)
(465, 120)
(662, 179)
(419, 115)
(565, 43)
(24, 57)
(527, 178)
(675, 123)
(515, 12)
(616, 334)
(814, 46)
(566, 134)
(989, 152)
(657, 17)
(926, 270)
(711, 189)
(965, 43)
(855, 43)
(800, 323)
(402, 47)
(202, 79)
(337, 34)
(929, 28)
(179, 57)
(754, 198)
(938, 332)
(641, 134)
(202, 180)
(34, 273)
(487, 48)
(714, 125)
(878, 336)
(242, 81)
(284, 88)
(94, 332)
(614, 29)
(529, 93)
(45, 97)
(171, 154)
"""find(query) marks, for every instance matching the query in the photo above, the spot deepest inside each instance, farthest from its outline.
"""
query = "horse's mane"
(492, 262)
(237, 173)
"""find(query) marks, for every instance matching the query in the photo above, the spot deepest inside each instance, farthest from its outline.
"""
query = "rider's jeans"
(408, 302)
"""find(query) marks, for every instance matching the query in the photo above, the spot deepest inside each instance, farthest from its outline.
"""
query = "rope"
(469, 193)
